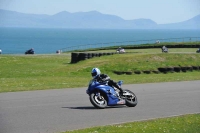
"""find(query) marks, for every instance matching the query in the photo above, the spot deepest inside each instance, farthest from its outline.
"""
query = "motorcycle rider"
(96, 74)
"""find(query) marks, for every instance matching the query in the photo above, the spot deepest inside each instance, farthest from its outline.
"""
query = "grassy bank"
(38, 72)
(179, 124)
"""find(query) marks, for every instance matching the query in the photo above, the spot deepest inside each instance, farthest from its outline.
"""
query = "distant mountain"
(90, 20)
(193, 23)
(15, 19)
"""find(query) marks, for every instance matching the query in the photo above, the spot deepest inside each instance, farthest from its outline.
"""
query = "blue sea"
(47, 41)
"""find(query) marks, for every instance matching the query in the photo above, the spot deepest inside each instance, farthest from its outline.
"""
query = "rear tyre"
(131, 101)
(98, 101)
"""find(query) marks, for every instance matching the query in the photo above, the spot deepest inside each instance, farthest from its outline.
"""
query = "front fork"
(98, 94)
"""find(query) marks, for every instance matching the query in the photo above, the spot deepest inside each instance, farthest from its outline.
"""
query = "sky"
(160, 11)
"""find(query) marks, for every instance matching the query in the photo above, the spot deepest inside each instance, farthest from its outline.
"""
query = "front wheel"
(131, 100)
(98, 100)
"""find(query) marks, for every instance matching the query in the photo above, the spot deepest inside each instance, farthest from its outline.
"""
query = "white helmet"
(95, 72)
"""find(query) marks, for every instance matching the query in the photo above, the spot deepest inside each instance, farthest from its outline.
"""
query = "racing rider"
(96, 74)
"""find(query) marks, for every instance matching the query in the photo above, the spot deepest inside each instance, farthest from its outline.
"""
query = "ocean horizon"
(49, 40)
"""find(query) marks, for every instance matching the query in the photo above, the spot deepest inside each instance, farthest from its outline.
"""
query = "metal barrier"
(138, 42)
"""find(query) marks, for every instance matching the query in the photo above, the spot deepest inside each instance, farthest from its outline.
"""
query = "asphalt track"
(51, 111)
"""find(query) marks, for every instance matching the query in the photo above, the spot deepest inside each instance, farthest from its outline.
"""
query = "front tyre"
(131, 100)
(98, 101)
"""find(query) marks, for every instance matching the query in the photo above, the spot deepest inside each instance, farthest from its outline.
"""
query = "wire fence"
(137, 42)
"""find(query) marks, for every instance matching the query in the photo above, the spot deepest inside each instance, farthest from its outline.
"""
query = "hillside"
(87, 20)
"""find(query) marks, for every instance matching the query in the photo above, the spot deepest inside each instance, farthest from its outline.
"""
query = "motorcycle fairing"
(120, 83)
(109, 91)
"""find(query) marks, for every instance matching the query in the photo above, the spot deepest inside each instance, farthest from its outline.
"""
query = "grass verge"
(180, 124)
(39, 72)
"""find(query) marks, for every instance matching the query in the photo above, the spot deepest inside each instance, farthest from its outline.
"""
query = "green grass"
(39, 72)
(179, 124)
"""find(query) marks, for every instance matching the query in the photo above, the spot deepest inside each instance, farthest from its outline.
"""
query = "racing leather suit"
(106, 78)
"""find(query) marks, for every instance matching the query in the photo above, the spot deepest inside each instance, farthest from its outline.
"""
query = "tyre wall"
(164, 70)
(76, 57)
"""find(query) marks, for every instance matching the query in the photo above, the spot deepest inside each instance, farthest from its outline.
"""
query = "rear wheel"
(131, 100)
(98, 100)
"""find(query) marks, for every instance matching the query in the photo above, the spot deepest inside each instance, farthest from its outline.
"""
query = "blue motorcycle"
(102, 95)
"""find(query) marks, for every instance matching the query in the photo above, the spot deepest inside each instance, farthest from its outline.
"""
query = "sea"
(48, 41)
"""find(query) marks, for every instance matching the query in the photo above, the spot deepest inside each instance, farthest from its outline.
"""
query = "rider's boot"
(121, 91)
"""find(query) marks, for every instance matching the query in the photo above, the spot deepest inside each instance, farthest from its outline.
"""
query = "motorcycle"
(30, 51)
(164, 50)
(120, 50)
(102, 95)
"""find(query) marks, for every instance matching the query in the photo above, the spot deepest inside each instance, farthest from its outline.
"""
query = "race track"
(51, 111)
